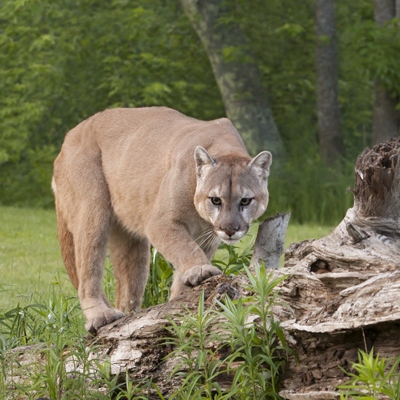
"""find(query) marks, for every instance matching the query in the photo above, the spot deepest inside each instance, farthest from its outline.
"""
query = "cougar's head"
(231, 191)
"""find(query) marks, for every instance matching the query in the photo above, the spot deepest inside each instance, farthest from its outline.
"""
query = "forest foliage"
(64, 60)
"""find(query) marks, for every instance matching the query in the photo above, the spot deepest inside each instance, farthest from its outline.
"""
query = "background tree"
(64, 60)
(386, 116)
(236, 73)
(328, 112)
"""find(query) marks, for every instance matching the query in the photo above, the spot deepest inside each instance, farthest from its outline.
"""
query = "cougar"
(129, 178)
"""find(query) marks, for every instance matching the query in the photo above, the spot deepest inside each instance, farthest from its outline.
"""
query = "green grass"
(30, 259)
(29, 256)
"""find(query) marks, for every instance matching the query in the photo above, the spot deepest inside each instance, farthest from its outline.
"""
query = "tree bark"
(329, 126)
(340, 295)
(385, 117)
(237, 75)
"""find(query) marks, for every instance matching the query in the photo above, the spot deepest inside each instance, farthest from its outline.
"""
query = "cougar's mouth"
(230, 237)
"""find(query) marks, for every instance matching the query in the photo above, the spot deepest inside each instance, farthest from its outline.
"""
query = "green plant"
(199, 364)
(158, 285)
(232, 259)
(3, 349)
(109, 281)
(62, 364)
(256, 339)
(129, 391)
(40, 309)
(246, 330)
(374, 376)
(55, 326)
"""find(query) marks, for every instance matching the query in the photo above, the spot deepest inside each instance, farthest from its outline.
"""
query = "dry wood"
(344, 288)
(270, 241)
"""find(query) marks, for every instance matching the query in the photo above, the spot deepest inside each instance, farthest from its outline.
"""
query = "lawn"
(30, 261)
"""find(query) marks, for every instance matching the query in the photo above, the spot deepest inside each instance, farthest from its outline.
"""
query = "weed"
(373, 377)
(232, 259)
(247, 327)
(158, 286)
(256, 339)
(199, 364)
(37, 308)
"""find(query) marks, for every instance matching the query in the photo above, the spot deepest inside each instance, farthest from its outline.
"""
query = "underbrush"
(47, 316)
(65, 365)
(246, 331)
(372, 377)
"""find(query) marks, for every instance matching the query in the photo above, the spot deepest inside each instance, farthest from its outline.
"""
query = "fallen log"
(344, 288)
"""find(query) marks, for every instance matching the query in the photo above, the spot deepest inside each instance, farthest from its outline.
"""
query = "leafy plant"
(256, 339)
(246, 330)
(199, 364)
(374, 376)
(160, 279)
(232, 259)
(49, 316)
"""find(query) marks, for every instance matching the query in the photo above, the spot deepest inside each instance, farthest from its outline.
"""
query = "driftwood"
(344, 288)
(342, 291)
(270, 241)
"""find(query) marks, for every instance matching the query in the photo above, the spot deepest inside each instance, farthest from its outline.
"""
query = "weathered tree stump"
(342, 292)
(344, 288)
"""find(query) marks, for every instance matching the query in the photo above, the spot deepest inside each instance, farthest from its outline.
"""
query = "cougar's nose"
(230, 231)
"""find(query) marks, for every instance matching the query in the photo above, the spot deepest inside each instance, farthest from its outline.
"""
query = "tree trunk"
(237, 75)
(340, 295)
(385, 117)
(329, 127)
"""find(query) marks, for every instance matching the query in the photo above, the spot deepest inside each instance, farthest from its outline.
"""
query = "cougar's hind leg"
(67, 247)
(84, 198)
(130, 257)
(90, 252)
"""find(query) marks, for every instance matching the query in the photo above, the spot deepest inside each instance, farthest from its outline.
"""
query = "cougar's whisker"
(206, 239)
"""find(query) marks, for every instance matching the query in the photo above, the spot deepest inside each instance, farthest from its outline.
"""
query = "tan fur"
(130, 177)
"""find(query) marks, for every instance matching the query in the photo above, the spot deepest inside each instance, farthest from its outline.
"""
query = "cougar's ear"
(203, 159)
(262, 162)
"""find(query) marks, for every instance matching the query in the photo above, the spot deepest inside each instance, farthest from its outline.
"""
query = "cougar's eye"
(246, 201)
(216, 201)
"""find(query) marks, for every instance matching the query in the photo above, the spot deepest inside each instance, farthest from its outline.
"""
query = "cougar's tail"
(66, 240)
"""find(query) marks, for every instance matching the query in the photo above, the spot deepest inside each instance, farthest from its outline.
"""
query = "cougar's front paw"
(95, 322)
(194, 276)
